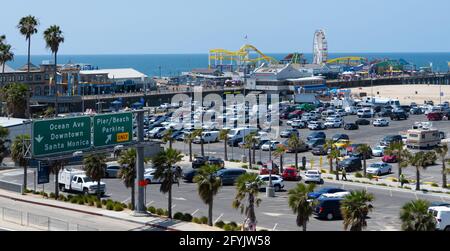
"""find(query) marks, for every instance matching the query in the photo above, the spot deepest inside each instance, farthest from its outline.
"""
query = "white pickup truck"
(76, 181)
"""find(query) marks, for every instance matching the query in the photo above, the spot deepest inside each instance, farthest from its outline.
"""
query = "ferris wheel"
(320, 48)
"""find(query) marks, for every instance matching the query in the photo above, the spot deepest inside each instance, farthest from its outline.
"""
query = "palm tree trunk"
(251, 209)
(25, 178)
(296, 159)
(399, 168)
(444, 175)
(250, 157)
(170, 143)
(281, 164)
(29, 46)
(331, 165)
(210, 210)
(99, 196)
(170, 201)
(304, 227)
(417, 179)
(56, 86)
(254, 154)
(132, 195)
(57, 184)
(202, 147)
(190, 151)
(225, 151)
(337, 170)
(365, 169)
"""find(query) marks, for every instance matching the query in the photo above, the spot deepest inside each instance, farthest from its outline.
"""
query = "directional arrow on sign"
(39, 138)
(108, 138)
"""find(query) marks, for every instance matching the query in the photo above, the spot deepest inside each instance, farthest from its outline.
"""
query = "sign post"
(58, 136)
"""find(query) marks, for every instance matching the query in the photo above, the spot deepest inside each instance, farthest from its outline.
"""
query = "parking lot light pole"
(140, 209)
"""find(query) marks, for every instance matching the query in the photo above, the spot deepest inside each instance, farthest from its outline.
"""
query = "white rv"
(423, 136)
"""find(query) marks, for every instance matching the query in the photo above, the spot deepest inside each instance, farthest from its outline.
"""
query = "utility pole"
(140, 207)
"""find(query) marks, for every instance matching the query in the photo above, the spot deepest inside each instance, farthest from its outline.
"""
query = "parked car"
(435, 116)
(207, 137)
(299, 124)
(112, 170)
(364, 113)
(389, 139)
(70, 180)
(350, 164)
(379, 168)
(381, 122)
(328, 208)
(316, 125)
(389, 159)
(334, 123)
(301, 148)
(315, 142)
(188, 176)
(319, 151)
(325, 190)
(277, 182)
(362, 122)
(289, 132)
(416, 111)
(270, 145)
(442, 217)
(340, 136)
(229, 176)
(378, 151)
(351, 126)
(313, 176)
(201, 161)
(316, 135)
(291, 173)
(399, 116)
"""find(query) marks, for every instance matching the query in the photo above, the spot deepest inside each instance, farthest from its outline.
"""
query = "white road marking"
(128, 199)
(273, 214)
(195, 211)
(150, 203)
(390, 192)
(175, 198)
(218, 218)
(416, 196)
(274, 227)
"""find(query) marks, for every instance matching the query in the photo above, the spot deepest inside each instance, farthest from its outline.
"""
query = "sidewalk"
(145, 222)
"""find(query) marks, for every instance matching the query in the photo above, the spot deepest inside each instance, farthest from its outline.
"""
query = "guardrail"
(13, 187)
(40, 222)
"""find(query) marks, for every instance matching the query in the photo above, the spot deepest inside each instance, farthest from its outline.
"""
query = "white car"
(270, 145)
(277, 182)
(333, 123)
(299, 124)
(378, 151)
(379, 168)
(380, 122)
(442, 216)
(364, 113)
(315, 125)
(334, 195)
(314, 176)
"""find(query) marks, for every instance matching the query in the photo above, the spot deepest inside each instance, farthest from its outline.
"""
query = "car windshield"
(87, 179)
(324, 190)
(375, 165)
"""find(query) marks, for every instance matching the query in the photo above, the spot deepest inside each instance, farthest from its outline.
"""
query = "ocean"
(174, 64)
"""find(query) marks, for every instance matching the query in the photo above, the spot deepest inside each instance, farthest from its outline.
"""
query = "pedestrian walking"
(344, 174)
(402, 179)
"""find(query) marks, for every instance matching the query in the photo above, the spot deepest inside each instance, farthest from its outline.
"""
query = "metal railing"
(40, 222)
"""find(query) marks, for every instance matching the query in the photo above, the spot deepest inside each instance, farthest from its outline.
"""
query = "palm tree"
(250, 141)
(365, 151)
(4, 132)
(53, 37)
(208, 185)
(2, 38)
(416, 217)
(223, 135)
(95, 167)
(420, 160)
(295, 143)
(278, 153)
(188, 138)
(6, 55)
(334, 154)
(248, 186)
(15, 95)
(299, 203)
(199, 133)
(402, 154)
(54, 167)
(127, 172)
(18, 150)
(167, 137)
(28, 27)
(329, 144)
(442, 151)
(166, 172)
(354, 209)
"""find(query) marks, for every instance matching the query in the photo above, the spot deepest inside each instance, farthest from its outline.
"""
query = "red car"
(264, 170)
(290, 173)
(389, 159)
(295, 114)
(435, 116)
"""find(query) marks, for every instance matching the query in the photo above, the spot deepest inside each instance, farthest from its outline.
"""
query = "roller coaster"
(247, 55)
(350, 61)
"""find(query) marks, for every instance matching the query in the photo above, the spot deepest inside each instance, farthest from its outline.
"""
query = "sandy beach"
(407, 93)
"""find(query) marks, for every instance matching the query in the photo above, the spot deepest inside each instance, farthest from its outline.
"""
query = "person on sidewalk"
(402, 180)
(344, 174)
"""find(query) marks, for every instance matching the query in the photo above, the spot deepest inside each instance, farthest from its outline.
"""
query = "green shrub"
(424, 190)
(166, 212)
(151, 209)
(204, 220)
(81, 201)
(118, 207)
(244, 166)
(160, 211)
(187, 217)
(91, 203)
(178, 216)
(358, 175)
(74, 200)
(238, 228)
(130, 206)
(109, 205)
(323, 171)
(228, 227)
(61, 197)
(35, 192)
(434, 185)
(369, 176)
(383, 184)
(28, 190)
(98, 204)
(104, 202)
(219, 224)
(407, 188)
(196, 220)
(233, 224)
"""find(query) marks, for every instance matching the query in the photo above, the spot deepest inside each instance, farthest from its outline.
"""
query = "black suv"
(200, 161)
(399, 116)
(390, 139)
(351, 164)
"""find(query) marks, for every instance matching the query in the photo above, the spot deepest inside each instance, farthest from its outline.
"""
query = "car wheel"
(62, 188)
(379, 173)
(330, 216)
(85, 191)
(277, 188)
(447, 228)
(389, 171)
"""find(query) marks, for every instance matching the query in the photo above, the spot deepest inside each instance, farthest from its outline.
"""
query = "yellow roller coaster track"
(347, 60)
(240, 56)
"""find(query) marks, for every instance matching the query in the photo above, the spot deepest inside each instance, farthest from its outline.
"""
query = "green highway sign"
(61, 135)
(113, 129)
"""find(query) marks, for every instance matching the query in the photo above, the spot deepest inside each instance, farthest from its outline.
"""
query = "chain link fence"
(40, 222)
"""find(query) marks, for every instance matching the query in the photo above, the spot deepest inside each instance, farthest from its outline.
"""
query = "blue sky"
(195, 26)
